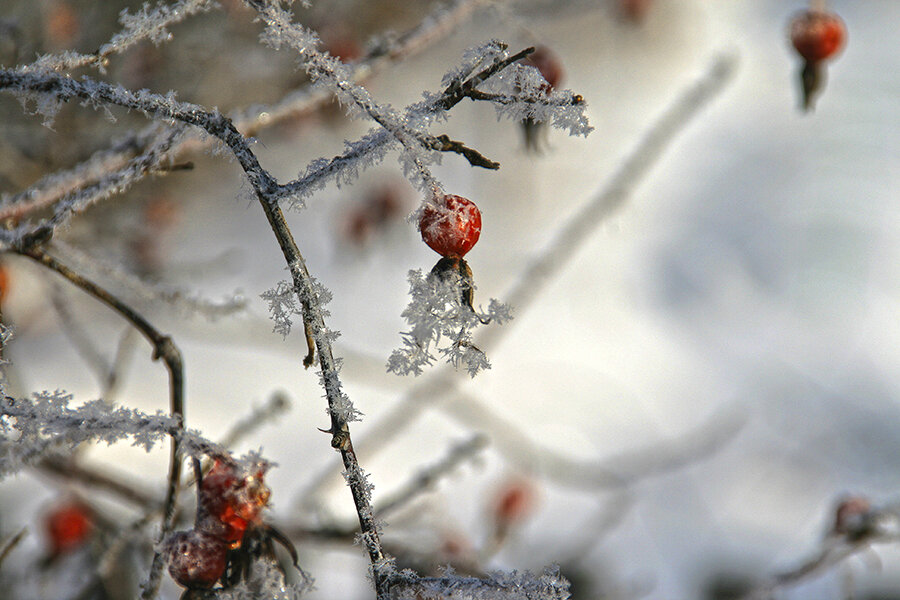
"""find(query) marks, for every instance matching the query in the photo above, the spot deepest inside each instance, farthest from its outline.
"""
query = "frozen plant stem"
(163, 348)
(339, 430)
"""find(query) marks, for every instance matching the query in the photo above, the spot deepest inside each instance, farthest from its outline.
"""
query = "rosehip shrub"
(451, 226)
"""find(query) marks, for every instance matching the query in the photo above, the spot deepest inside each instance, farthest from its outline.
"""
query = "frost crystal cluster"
(441, 321)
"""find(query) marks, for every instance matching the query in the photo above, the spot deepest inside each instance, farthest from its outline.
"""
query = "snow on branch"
(391, 49)
(149, 23)
(31, 427)
(184, 301)
(438, 311)
(515, 585)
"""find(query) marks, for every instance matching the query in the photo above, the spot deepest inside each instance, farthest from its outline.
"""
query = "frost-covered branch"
(46, 422)
(857, 527)
(149, 23)
(374, 146)
(118, 162)
(184, 301)
(549, 585)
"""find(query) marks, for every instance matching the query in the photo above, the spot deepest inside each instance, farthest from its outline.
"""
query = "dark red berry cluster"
(230, 500)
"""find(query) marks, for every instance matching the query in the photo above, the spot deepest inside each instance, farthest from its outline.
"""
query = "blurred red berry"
(381, 206)
(451, 226)
(196, 558)
(68, 526)
(341, 42)
(635, 10)
(230, 500)
(61, 24)
(549, 65)
(853, 516)
(514, 502)
(817, 35)
(4, 282)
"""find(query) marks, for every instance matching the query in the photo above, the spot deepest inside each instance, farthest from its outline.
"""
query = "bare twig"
(69, 469)
(12, 543)
(443, 143)
(277, 403)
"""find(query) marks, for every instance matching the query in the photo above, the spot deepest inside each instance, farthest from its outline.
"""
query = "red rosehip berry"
(817, 35)
(231, 499)
(451, 225)
(196, 559)
(68, 526)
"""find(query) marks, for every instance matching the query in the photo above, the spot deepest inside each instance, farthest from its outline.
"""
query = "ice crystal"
(514, 585)
(442, 321)
(283, 306)
(30, 427)
(266, 580)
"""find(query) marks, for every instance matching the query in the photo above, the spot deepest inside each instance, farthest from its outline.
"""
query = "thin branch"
(66, 468)
(86, 349)
(12, 543)
(277, 404)
(146, 24)
(832, 553)
(428, 476)
(164, 348)
(443, 143)
(418, 484)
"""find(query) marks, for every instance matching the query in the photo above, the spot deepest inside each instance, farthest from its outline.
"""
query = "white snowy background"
(752, 274)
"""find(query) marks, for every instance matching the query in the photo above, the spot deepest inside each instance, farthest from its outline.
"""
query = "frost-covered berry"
(817, 35)
(68, 527)
(196, 559)
(230, 499)
(451, 225)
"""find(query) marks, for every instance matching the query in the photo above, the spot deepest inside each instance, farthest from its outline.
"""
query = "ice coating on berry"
(817, 35)
(231, 498)
(196, 559)
(451, 226)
